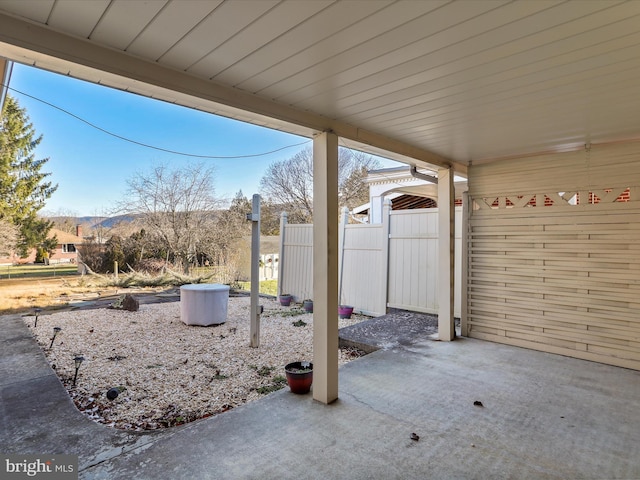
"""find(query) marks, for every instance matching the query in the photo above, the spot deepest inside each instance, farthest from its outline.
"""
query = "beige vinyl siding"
(561, 278)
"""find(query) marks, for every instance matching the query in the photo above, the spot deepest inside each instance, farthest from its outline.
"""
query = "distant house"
(66, 250)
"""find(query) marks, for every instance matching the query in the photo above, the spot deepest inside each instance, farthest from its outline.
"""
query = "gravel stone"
(169, 373)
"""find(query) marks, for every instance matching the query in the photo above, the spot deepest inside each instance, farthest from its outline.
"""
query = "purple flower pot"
(345, 311)
(308, 306)
(285, 300)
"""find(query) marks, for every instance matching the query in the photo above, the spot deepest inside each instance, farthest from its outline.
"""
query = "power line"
(153, 147)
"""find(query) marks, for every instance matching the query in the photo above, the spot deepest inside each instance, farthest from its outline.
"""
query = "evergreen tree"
(114, 252)
(23, 189)
(240, 206)
(33, 233)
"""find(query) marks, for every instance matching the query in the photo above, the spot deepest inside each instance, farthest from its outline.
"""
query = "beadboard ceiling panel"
(393, 31)
(222, 24)
(266, 64)
(270, 26)
(432, 82)
(526, 71)
(176, 20)
(36, 10)
(123, 21)
(471, 62)
(452, 33)
(79, 17)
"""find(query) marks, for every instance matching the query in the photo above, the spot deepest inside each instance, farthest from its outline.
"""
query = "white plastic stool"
(204, 303)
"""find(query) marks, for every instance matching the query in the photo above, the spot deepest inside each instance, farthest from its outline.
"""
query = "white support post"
(283, 228)
(464, 295)
(384, 278)
(325, 267)
(446, 244)
(344, 220)
(255, 272)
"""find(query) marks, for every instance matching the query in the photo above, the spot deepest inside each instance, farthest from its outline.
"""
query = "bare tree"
(176, 205)
(226, 245)
(8, 238)
(289, 183)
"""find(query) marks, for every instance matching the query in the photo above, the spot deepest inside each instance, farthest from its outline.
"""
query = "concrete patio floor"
(543, 416)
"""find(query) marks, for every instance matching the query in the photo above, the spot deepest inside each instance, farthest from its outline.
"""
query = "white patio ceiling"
(442, 82)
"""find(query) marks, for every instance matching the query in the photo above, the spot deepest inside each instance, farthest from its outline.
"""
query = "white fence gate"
(413, 260)
(393, 264)
(363, 267)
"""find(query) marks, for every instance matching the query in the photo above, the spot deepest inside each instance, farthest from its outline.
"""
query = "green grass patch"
(277, 383)
(267, 287)
(294, 312)
(38, 270)
(263, 371)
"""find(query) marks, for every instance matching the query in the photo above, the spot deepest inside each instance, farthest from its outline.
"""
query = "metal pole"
(283, 225)
(255, 272)
(344, 219)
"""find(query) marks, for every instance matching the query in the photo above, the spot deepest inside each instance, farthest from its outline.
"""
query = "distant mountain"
(112, 221)
(93, 221)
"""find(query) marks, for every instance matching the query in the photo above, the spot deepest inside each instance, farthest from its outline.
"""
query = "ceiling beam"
(37, 38)
(5, 75)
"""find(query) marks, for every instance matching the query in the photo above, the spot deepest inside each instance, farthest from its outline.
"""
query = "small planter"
(285, 300)
(345, 311)
(308, 306)
(299, 376)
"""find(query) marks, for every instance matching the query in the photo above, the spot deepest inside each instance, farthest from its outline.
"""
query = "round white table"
(204, 303)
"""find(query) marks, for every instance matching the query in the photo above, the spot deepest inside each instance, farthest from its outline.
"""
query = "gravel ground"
(168, 373)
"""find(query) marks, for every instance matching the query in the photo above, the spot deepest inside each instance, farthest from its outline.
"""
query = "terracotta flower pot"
(345, 311)
(299, 376)
(285, 300)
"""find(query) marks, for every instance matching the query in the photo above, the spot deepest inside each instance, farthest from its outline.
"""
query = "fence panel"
(413, 260)
(269, 266)
(413, 243)
(363, 269)
(296, 268)
(410, 283)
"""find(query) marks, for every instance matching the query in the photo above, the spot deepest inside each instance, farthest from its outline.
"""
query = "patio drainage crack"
(130, 447)
(381, 412)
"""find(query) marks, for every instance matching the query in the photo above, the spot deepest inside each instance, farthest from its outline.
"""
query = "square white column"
(325, 267)
(446, 226)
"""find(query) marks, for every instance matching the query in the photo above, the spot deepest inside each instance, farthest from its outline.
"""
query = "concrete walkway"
(543, 416)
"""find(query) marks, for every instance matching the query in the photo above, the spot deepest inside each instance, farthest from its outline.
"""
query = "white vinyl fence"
(269, 266)
(392, 264)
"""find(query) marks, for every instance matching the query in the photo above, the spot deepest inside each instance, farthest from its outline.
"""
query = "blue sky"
(91, 167)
